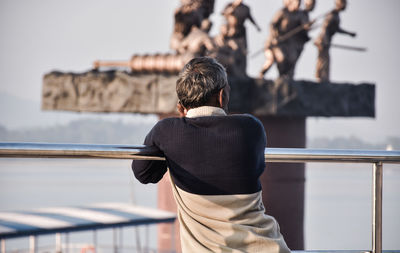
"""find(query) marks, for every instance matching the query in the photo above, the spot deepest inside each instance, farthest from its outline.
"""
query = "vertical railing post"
(121, 238)
(67, 242)
(377, 207)
(58, 243)
(115, 239)
(147, 239)
(95, 240)
(3, 246)
(138, 240)
(32, 244)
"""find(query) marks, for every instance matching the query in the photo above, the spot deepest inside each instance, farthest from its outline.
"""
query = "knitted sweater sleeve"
(150, 171)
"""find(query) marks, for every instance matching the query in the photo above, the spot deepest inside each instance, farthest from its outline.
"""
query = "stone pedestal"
(283, 183)
(168, 235)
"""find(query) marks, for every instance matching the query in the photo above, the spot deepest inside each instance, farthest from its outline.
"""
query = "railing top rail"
(330, 155)
(108, 151)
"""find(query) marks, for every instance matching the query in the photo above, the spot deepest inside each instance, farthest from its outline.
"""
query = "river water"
(337, 210)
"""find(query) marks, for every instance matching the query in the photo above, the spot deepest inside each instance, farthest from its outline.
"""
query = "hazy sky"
(40, 36)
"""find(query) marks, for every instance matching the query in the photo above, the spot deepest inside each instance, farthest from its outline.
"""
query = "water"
(339, 206)
(35, 183)
(338, 198)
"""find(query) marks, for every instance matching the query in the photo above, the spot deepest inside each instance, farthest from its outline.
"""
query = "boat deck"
(63, 220)
(70, 219)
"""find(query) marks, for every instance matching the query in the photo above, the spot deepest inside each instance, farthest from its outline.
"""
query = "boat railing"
(281, 155)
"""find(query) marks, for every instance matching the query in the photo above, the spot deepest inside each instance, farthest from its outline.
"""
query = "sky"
(41, 36)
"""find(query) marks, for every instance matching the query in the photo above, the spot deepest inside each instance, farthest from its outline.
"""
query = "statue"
(330, 26)
(286, 39)
(189, 39)
(206, 9)
(190, 13)
(236, 13)
(186, 16)
(225, 51)
(301, 38)
(197, 42)
(205, 6)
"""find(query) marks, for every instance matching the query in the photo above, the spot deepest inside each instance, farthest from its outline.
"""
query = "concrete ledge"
(118, 91)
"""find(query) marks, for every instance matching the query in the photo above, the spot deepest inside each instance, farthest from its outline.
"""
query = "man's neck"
(203, 111)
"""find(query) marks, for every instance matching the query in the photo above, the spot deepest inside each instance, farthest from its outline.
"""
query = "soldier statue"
(197, 42)
(190, 13)
(283, 46)
(236, 13)
(330, 26)
(225, 52)
(301, 38)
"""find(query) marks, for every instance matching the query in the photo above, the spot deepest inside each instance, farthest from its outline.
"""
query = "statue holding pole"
(281, 46)
(330, 26)
(236, 13)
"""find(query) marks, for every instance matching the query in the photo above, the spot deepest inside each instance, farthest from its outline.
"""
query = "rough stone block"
(118, 91)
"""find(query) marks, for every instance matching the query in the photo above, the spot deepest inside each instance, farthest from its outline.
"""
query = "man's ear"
(221, 98)
(181, 110)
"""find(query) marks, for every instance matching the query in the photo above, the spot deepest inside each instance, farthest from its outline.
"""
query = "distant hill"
(353, 143)
(24, 114)
(20, 113)
(118, 132)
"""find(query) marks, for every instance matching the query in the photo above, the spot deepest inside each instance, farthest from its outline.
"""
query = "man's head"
(341, 5)
(292, 5)
(309, 5)
(202, 81)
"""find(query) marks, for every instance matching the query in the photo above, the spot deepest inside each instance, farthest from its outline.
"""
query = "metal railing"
(287, 155)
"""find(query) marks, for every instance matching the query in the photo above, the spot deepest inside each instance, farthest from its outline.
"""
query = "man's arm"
(150, 171)
(230, 8)
(275, 23)
(250, 17)
(341, 30)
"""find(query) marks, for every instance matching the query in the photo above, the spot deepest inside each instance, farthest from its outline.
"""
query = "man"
(215, 162)
(330, 26)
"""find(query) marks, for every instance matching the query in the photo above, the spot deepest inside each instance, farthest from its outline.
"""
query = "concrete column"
(283, 183)
(168, 235)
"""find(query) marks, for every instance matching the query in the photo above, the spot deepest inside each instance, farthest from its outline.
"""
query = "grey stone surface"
(110, 91)
(117, 91)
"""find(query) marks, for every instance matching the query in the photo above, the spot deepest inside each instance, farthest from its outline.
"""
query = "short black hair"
(199, 80)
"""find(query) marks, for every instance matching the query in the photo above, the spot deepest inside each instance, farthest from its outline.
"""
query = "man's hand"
(353, 34)
(318, 43)
(308, 25)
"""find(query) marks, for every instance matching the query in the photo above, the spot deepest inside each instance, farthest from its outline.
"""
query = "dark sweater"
(212, 155)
